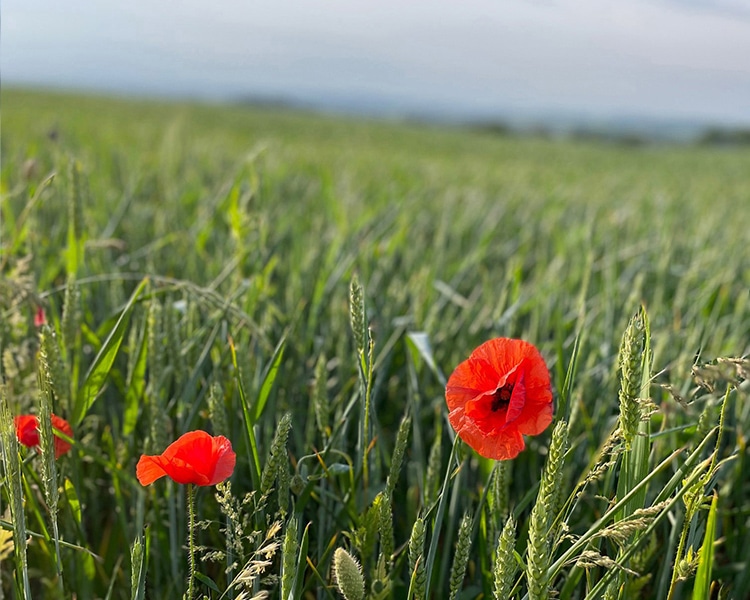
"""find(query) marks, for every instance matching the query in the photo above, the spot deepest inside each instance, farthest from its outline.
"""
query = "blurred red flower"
(195, 457)
(27, 432)
(39, 317)
(500, 393)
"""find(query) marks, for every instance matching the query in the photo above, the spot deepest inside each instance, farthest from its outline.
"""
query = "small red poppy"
(39, 317)
(27, 432)
(500, 393)
(195, 457)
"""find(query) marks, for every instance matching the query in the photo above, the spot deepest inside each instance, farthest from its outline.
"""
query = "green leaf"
(702, 587)
(254, 457)
(207, 581)
(73, 503)
(299, 577)
(97, 375)
(136, 386)
(419, 344)
(268, 378)
(75, 238)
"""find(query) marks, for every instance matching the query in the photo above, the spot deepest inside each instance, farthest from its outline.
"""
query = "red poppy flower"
(27, 432)
(39, 317)
(500, 393)
(196, 457)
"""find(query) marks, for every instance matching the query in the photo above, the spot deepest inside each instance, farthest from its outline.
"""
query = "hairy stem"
(191, 541)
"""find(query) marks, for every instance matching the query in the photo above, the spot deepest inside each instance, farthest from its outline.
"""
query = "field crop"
(304, 285)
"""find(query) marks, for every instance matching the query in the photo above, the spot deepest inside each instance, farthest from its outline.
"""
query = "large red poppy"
(27, 432)
(499, 394)
(195, 457)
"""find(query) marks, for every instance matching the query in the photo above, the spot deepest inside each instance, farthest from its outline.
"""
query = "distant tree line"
(711, 136)
(717, 136)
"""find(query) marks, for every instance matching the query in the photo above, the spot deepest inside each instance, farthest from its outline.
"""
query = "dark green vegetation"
(182, 253)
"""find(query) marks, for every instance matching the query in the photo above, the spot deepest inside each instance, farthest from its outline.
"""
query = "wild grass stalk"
(538, 551)
(48, 469)
(417, 571)
(290, 549)
(138, 562)
(461, 556)
(437, 521)
(504, 565)
(694, 498)
(13, 484)
(191, 543)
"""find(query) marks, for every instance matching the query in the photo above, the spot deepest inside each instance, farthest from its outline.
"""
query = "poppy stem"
(191, 541)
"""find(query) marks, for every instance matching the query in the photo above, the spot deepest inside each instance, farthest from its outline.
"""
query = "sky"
(661, 59)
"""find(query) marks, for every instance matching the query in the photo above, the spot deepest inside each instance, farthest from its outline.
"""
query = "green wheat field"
(304, 285)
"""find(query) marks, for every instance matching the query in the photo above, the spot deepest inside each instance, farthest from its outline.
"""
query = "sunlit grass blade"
(419, 344)
(75, 239)
(267, 380)
(136, 378)
(702, 584)
(634, 546)
(20, 227)
(100, 368)
(254, 456)
(437, 521)
(14, 485)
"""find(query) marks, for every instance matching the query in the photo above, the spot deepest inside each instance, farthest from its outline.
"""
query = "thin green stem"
(366, 428)
(58, 559)
(439, 517)
(191, 541)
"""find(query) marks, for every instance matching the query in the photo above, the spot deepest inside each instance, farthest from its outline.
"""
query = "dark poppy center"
(501, 398)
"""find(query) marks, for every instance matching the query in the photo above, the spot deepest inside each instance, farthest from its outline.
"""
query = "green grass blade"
(97, 375)
(438, 521)
(75, 239)
(136, 385)
(419, 344)
(269, 376)
(254, 456)
(702, 585)
(299, 576)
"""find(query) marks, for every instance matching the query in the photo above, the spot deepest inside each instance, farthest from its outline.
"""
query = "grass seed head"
(504, 565)
(630, 363)
(461, 558)
(347, 573)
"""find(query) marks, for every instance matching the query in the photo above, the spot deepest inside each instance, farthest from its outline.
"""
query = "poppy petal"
(535, 420)
(195, 457)
(61, 446)
(225, 461)
(149, 469)
(183, 472)
(27, 430)
(502, 354)
(517, 399)
(502, 445)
